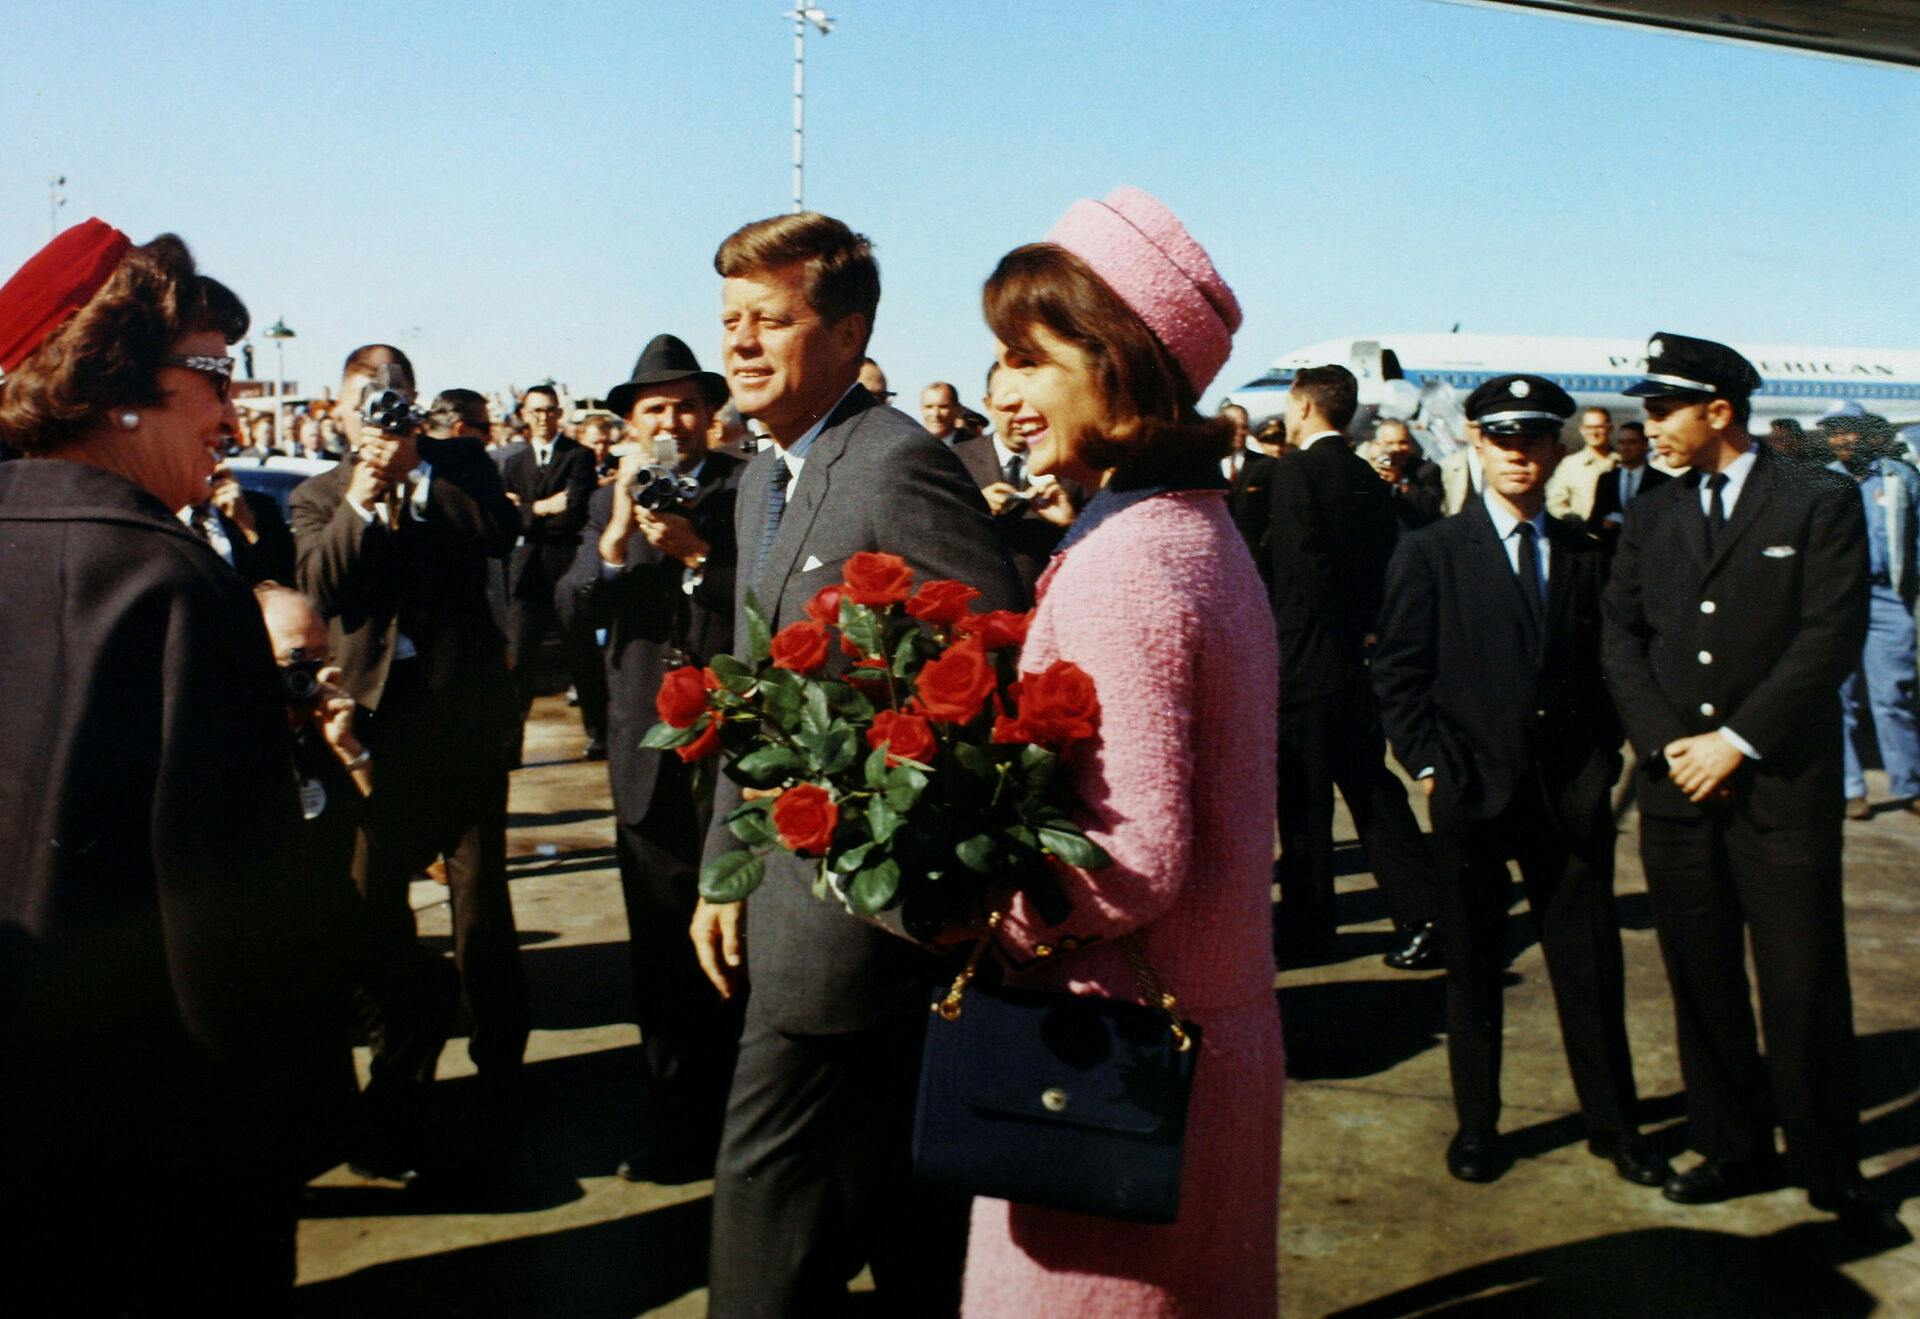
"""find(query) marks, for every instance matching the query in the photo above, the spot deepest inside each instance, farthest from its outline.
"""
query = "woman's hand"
(1050, 501)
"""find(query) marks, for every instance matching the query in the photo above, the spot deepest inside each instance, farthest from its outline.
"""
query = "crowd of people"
(231, 741)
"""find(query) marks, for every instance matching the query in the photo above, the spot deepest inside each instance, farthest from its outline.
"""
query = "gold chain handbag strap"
(1132, 947)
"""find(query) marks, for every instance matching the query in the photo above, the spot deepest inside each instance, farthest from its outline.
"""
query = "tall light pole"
(55, 200)
(801, 17)
(279, 333)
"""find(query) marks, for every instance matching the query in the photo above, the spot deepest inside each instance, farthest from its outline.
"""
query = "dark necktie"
(776, 506)
(1016, 473)
(1716, 510)
(1530, 570)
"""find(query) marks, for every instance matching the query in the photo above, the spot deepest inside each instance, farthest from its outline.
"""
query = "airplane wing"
(1882, 31)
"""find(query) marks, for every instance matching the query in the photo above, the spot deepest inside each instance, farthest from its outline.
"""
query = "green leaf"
(1038, 762)
(862, 626)
(842, 746)
(664, 737)
(904, 786)
(976, 760)
(848, 700)
(976, 853)
(782, 705)
(759, 635)
(882, 819)
(876, 769)
(853, 858)
(873, 889)
(751, 825)
(731, 876)
(771, 764)
(1073, 847)
(905, 653)
(815, 715)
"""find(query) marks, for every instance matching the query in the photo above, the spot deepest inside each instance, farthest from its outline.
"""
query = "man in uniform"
(1493, 699)
(1737, 605)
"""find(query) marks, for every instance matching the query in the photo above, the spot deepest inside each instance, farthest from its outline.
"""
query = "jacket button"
(1706, 708)
(1054, 1099)
(1706, 657)
(1708, 606)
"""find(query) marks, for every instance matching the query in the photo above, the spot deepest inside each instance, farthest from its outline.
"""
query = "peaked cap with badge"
(1520, 405)
(1678, 364)
(664, 360)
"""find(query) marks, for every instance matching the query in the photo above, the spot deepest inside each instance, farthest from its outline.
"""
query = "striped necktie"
(776, 506)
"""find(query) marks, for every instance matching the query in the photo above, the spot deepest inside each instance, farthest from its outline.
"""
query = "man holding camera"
(394, 548)
(656, 571)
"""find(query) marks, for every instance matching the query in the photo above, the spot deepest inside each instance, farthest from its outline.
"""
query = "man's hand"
(552, 506)
(1700, 766)
(381, 462)
(1050, 501)
(999, 496)
(672, 535)
(227, 498)
(1426, 786)
(513, 499)
(718, 942)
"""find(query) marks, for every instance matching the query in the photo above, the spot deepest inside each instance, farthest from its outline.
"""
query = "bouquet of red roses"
(894, 743)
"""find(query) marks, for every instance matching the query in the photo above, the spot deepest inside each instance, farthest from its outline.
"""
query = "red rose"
(942, 603)
(906, 737)
(800, 647)
(1009, 730)
(682, 697)
(1058, 705)
(825, 606)
(878, 580)
(805, 817)
(953, 687)
(998, 629)
(702, 746)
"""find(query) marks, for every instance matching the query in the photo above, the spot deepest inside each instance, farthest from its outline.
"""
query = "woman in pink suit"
(1108, 332)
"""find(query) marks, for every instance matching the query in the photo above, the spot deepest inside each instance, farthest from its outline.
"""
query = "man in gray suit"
(814, 1178)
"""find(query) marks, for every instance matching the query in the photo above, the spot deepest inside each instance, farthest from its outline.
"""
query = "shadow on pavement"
(1348, 1029)
(1650, 1271)
(580, 984)
(540, 819)
(610, 1270)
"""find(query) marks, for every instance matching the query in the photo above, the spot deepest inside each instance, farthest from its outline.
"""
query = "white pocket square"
(813, 561)
(1779, 551)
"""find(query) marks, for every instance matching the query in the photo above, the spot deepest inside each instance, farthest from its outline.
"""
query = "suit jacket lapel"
(1693, 523)
(1492, 563)
(1753, 496)
(804, 498)
(1560, 570)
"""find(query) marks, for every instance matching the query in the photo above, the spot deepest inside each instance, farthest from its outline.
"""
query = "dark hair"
(467, 404)
(107, 356)
(952, 393)
(1332, 391)
(986, 390)
(550, 391)
(1633, 425)
(1149, 407)
(841, 275)
(368, 359)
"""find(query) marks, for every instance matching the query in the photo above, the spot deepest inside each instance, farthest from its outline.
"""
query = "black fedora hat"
(664, 360)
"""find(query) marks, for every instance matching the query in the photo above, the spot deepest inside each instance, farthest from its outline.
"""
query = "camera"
(300, 680)
(393, 412)
(660, 489)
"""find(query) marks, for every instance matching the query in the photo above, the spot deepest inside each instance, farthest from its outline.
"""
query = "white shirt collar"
(1736, 473)
(1318, 436)
(1004, 454)
(795, 455)
(1505, 522)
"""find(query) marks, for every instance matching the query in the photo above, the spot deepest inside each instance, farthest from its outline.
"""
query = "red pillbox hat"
(56, 282)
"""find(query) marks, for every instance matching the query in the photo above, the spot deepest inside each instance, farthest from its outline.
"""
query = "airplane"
(1425, 378)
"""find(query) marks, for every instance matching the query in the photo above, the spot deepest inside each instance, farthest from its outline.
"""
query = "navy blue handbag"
(1059, 1100)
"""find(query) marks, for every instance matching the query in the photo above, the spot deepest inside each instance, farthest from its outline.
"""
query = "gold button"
(1053, 1099)
(1043, 950)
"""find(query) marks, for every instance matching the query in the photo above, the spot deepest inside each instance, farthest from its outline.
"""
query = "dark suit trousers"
(440, 790)
(815, 1179)
(1336, 741)
(1715, 883)
(528, 623)
(1569, 887)
(688, 1033)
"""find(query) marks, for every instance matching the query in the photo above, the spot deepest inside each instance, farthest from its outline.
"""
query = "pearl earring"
(128, 420)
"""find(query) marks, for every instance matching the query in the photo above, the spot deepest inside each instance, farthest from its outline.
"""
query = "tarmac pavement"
(1371, 1223)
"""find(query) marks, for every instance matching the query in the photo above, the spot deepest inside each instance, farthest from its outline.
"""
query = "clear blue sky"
(512, 192)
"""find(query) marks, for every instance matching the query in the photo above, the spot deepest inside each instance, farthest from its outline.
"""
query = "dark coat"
(874, 480)
(1417, 499)
(1606, 500)
(1756, 638)
(1029, 538)
(270, 559)
(161, 961)
(1329, 538)
(547, 542)
(977, 454)
(1470, 687)
(1250, 500)
(652, 624)
(427, 579)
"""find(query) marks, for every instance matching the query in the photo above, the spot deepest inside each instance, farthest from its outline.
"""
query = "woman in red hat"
(156, 947)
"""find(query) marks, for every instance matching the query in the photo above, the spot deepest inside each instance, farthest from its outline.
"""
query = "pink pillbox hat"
(1146, 255)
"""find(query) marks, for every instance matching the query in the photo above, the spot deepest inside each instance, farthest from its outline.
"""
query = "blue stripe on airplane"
(1861, 390)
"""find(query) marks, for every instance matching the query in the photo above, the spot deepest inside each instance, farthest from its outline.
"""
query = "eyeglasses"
(218, 370)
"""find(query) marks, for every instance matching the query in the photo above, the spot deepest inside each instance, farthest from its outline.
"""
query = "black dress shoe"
(1477, 1156)
(1863, 1216)
(1421, 953)
(596, 750)
(1632, 1157)
(1712, 1180)
(664, 1169)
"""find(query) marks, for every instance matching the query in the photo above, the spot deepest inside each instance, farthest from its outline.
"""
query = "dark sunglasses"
(219, 370)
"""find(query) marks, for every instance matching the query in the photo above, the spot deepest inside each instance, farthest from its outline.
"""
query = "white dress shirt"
(1736, 473)
(1318, 436)
(1506, 526)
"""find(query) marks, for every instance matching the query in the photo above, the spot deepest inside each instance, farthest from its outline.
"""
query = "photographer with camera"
(656, 570)
(395, 546)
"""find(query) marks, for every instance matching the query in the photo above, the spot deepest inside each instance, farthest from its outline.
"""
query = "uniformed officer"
(1487, 671)
(1738, 603)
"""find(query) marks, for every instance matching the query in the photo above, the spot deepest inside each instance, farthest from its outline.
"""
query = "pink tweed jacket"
(1162, 606)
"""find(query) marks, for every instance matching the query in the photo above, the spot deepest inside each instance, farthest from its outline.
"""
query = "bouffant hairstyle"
(841, 275)
(107, 356)
(1152, 414)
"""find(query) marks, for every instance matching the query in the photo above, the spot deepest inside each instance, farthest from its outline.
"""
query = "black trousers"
(1569, 887)
(1336, 741)
(1718, 884)
(528, 624)
(688, 1033)
(439, 790)
(815, 1180)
